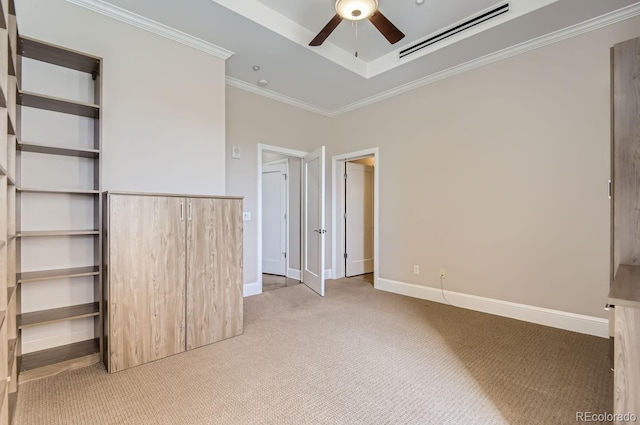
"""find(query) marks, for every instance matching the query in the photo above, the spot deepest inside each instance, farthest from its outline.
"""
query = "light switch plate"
(246, 216)
(236, 152)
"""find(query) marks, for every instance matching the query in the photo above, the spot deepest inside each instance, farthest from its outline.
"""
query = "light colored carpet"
(357, 356)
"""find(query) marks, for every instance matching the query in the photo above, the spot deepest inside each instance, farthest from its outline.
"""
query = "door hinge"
(345, 216)
(345, 255)
(285, 254)
(345, 176)
(285, 216)
(285, 176)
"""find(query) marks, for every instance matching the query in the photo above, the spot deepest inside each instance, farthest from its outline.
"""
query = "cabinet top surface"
(179, 195)
(625, 288)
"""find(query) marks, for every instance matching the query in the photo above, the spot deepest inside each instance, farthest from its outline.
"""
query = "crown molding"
(157, 28)
(234, 82)
(536, 43)
(130, 18)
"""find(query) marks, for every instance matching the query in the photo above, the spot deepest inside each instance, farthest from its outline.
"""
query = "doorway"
(304, 254)
(358, 216)
(355, 215)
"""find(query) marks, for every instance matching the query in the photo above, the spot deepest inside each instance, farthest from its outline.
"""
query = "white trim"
(157, 28)
(293, 274)
(543, 316)
(270, 19)
(118, 13)
(277, 161)
(554, 37)
(536, 43)
(252, 88)
(253, 288)
(338, 270)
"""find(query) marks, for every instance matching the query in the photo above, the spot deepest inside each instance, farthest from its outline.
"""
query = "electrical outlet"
(416, 269)
(443, 273)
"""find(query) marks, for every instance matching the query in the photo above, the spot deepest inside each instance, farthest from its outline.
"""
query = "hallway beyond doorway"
(271, 282)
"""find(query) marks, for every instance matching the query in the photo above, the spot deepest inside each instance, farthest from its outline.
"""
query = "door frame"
(284, 161)
(337, 205)
(282, 151)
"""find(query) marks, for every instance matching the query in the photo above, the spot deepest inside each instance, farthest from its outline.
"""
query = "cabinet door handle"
(190, 213)
(181, 211)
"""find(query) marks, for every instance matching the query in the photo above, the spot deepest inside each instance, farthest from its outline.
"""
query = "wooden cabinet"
(625, 295)
(173, 275)
(625, 257)
(214, 270)
(146, 279)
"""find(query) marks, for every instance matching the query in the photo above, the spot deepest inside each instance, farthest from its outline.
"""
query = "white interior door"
(313, 220)
(358, 219)
(274, 219)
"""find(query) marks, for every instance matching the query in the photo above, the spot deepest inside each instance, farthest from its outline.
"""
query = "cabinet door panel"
(214, 270)
(146, 279)
(626, 376)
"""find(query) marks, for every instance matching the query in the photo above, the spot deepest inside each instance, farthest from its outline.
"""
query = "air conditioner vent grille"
(493, 13)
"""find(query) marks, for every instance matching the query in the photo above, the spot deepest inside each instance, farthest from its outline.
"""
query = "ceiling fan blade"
(390, 31)
(326, 31)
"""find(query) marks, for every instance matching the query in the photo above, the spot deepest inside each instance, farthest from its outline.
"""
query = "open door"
(358, 219)
(274, 219)
(313, 220)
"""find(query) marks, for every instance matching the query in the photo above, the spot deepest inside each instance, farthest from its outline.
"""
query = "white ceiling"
(274, 34)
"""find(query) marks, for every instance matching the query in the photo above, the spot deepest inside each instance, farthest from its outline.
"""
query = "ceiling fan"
(356, 10)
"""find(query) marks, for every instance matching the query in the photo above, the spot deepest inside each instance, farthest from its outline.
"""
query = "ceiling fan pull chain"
(355, 24)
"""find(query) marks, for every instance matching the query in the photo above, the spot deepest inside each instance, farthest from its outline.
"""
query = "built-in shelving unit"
(43, 317)
(8, 300)
(58, 83)
(53, 233)
(57, 104)
(38, 276)
(64, 191)
(64, 354)
(56, 150)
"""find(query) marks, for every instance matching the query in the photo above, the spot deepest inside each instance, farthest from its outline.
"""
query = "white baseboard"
(293, 274)
(543, 316)
(250, 289)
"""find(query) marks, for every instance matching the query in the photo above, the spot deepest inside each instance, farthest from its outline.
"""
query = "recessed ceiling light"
(263, 83)
(256, 68)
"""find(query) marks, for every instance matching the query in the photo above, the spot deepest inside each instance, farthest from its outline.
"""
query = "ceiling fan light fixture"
(356, 10)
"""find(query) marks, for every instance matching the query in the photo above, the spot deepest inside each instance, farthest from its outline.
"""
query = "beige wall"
(253, 119)
(499, 175)
(164, 116)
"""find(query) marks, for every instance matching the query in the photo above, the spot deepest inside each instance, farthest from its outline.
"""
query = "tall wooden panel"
(146, 298)
(626, 390)
(626, 153)
(625, 259)
(214, 270)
